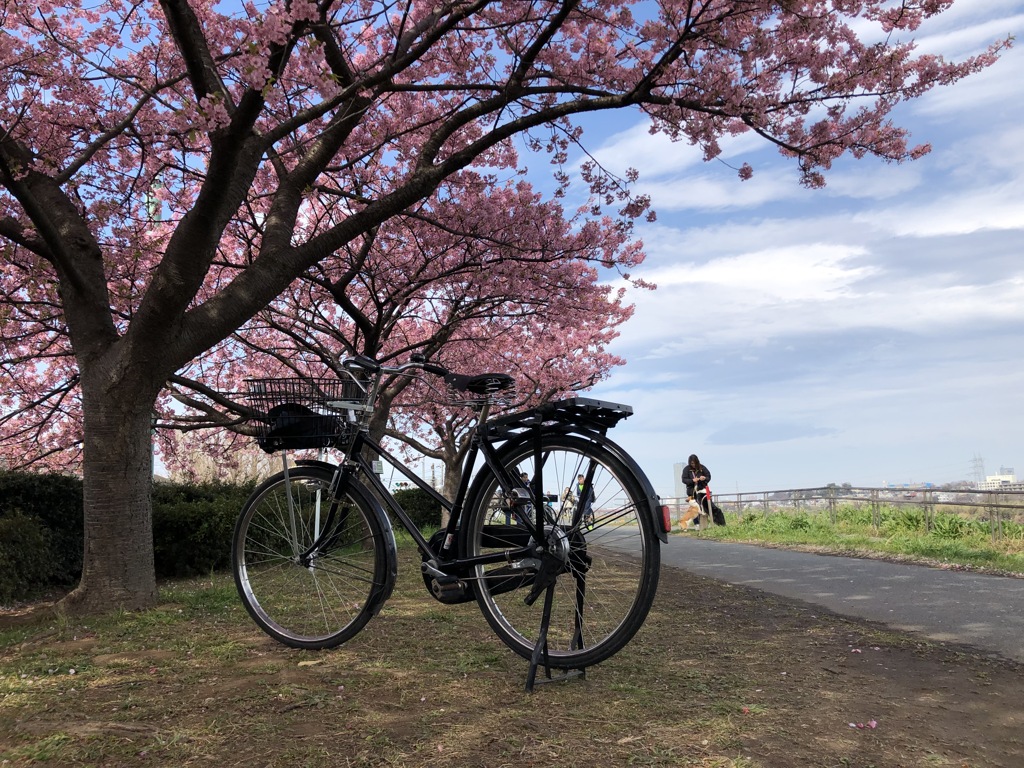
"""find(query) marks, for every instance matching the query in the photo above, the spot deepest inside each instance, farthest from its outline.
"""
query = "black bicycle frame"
(357, 463)
(578, 416)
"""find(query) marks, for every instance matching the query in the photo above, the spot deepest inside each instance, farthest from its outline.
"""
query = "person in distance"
(696, 478)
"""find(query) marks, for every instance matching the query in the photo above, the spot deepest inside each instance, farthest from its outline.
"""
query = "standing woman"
(696, 478)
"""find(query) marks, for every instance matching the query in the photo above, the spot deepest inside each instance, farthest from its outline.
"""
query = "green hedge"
(25, 564)
(421, 506)
(41, 531)
(192, 526)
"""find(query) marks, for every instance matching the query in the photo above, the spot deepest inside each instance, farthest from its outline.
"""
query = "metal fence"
(993, 507)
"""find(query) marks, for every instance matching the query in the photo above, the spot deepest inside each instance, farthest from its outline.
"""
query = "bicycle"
(314, 553)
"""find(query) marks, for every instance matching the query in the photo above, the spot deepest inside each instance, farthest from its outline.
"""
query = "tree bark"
(118, 568)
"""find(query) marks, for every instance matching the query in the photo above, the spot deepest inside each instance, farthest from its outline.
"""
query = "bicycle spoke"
(603, 589)
(318, 596)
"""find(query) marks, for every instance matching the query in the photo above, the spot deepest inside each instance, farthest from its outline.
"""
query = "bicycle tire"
(302, 598)
(610, 571)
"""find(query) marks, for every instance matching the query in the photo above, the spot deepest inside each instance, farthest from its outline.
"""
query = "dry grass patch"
(719, 676)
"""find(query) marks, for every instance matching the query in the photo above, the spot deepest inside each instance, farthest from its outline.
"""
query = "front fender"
(382, 591)
(662, 523)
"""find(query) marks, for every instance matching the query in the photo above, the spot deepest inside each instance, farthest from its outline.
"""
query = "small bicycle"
(314, 554)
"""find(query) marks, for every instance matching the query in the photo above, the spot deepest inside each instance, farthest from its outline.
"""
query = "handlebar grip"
(362, 361)
(437, 370)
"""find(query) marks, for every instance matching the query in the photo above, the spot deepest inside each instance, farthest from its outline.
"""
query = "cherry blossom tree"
(492, 278)
(554, 355)
(167, 169)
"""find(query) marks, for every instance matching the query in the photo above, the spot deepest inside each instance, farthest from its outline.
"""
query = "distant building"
(1005, 481)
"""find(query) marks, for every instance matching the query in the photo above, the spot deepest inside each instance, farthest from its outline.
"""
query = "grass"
(718, 677)
(949, 541)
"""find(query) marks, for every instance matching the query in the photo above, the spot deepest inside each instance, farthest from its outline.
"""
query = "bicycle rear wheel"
(310, 572)
(608, 571)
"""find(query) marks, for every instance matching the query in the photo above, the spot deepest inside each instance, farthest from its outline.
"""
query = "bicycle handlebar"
(479, 384)
(429, 367)
(362, 362)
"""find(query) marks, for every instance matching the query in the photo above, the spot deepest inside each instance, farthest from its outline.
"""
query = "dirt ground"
(718, 676)
(846, 692)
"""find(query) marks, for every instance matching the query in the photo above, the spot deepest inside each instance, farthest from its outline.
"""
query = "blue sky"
(871, 332)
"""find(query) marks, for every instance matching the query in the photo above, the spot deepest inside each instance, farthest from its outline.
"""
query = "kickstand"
(540, 651)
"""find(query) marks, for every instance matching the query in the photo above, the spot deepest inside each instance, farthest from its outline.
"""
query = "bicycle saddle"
(480, 384)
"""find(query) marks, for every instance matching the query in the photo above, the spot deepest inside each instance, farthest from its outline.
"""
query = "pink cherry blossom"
(168, 170)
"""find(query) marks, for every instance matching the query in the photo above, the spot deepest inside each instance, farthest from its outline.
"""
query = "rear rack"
(583, 412)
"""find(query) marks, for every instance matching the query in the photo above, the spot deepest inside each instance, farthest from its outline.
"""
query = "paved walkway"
(983, 611)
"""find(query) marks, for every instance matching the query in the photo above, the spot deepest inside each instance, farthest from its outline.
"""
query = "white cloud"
(807, 288)
(704, 191)
(1000, 207)
(776, 274)
(873, 181)
(997, 88)
(659, 156)
(966, 28)
(954, 41)
(863, 333)
(636, 147)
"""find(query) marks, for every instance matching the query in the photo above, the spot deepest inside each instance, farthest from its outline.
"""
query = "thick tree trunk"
(118, 569)
(450, 484)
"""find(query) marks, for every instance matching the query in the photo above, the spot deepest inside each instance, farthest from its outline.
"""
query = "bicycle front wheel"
(310, 570)
(606, 553)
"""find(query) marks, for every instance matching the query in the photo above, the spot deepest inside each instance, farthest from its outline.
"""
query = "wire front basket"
(297, 414)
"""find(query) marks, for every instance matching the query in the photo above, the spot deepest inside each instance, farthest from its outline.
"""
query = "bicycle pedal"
(453, 591)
